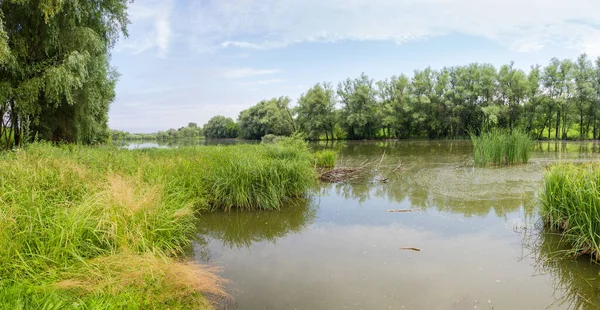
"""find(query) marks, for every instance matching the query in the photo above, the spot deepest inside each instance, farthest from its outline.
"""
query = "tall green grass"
(98, 228)
(499, 147)
(570, 204)
(325, 159)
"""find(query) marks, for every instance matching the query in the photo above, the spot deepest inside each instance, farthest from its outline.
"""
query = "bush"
(270, 138)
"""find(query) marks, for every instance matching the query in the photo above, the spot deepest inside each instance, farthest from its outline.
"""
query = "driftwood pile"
(341, 174)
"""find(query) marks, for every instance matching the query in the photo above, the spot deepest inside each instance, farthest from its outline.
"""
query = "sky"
(187, 61)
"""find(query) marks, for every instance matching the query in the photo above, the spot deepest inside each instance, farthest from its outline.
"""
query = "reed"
(570, 204)
(500, 148)
(325, 159)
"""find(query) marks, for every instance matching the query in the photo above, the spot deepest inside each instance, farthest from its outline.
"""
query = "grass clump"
(500, 147)
(325, 159)
(99, 228)
(570, 204)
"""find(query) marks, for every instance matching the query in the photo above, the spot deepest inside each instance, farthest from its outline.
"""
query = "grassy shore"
(98, 228)
(570, 200)
(499, 148)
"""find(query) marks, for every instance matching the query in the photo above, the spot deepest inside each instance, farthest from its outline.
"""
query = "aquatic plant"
(501, 147)
(570, 204)
(325, 159)
(92, 227)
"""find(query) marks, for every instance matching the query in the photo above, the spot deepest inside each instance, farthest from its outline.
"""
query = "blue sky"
(186, 61)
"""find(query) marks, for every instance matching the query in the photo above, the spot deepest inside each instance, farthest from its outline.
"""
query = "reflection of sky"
(373, 212)
(336, 264)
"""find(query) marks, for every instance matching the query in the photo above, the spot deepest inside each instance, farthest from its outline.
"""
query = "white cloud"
(236, 73)
(150, 26)
(519, 25)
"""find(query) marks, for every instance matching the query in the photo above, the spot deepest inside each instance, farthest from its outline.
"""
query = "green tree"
(585, 93)
(315, 111)
(272, 116)
(56, 80)
(220, 127)
(359, 111)
(512, 91)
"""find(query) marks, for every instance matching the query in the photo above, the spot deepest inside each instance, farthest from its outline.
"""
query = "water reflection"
(343, 249)
(242, 229)
(576, 281)
(178, 143)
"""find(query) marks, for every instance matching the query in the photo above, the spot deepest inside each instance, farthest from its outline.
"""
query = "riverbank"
(84, 227)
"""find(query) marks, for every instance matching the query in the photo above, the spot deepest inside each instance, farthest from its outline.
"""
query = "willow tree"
(272, 116)
(56, 81)
(315, 111)
(359, 110)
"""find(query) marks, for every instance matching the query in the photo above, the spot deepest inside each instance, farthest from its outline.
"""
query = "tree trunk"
(14, 120)
(556, 134)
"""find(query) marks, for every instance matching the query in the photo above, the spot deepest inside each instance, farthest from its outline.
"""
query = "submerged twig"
(404, 210)
(411, 249)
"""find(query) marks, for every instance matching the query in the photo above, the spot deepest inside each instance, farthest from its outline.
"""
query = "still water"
(477, 229)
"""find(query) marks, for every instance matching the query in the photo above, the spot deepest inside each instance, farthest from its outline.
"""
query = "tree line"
(558, 101)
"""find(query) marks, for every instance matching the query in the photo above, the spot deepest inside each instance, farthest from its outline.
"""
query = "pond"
(474, 232)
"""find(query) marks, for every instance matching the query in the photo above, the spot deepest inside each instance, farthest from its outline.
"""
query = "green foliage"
(570, 204)
(359, 114)
(267, 117)
(325, 159)
(56, 80)
(501, 147)
(315, 111)
(270, 138)
(220, 127)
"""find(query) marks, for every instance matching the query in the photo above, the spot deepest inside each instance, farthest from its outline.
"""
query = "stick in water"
(411, 249)
(404, 210)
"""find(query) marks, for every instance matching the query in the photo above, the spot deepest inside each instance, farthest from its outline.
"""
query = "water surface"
(476, 230)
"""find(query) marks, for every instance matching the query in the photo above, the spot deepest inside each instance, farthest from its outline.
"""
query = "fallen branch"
(411, 249)
(404, 210)
(340, 174)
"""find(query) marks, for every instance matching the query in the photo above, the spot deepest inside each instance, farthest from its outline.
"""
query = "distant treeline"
(560, 100)
(190, 131)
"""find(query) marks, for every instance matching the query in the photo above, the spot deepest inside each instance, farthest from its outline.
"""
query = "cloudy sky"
(186, 61)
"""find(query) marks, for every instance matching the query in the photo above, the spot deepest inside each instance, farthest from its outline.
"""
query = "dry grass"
(132, 195)
(158, 279)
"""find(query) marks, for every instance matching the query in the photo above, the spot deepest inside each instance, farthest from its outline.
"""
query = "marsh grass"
(500, 148)
(570, 204)
(325, 159)
(98, 228)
